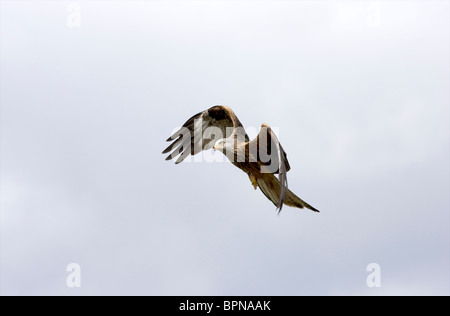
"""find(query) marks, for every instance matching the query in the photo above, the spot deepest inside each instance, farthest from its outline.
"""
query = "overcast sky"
(358, 90)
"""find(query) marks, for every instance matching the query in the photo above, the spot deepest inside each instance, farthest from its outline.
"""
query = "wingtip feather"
(314, 209)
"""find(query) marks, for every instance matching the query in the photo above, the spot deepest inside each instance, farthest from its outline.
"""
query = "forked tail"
(270, 186)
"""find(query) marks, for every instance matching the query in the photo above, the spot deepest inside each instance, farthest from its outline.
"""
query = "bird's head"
(221, 144)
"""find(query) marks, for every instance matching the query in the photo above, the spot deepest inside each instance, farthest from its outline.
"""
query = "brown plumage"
(262, 158)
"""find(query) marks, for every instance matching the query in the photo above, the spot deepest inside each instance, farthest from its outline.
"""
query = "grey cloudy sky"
(358, 90)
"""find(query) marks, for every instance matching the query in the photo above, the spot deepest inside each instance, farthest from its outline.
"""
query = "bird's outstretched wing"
(202, 130)
(273, 160)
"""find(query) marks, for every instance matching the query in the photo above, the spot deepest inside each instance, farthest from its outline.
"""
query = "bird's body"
(260, 158)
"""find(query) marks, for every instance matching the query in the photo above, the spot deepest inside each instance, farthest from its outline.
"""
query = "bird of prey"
(262, 158)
